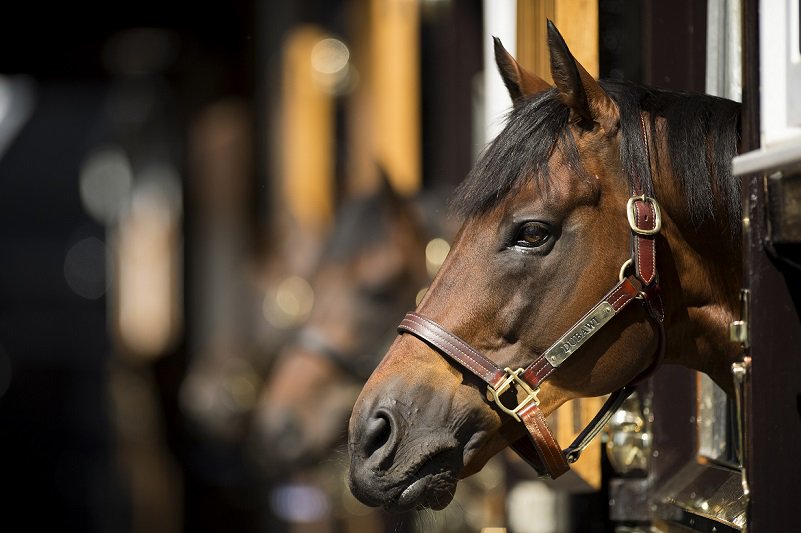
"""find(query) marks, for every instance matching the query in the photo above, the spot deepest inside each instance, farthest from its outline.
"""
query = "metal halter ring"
(513, 376)
(632, 215)
(640, 295)
(626, 265)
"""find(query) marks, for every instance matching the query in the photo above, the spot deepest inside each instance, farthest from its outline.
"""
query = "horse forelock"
(701, 137)
(534, 129)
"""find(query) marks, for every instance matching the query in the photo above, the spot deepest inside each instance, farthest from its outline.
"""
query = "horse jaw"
(699, 322)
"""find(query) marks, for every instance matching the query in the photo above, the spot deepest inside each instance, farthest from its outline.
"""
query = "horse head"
(550, 225)
(368, 275)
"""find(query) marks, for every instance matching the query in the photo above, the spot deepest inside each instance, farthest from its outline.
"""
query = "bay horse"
(601, 231)
(370, 271)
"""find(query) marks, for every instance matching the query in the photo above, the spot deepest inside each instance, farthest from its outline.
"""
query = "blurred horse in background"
(372, 268)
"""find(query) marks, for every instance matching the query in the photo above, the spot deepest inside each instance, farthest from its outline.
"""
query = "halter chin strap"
(539, 448)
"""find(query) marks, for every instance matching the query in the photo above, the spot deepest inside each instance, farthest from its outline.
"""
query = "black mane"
(702, 137)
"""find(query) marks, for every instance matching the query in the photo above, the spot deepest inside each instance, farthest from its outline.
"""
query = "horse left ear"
(519, 82)
(577, 88)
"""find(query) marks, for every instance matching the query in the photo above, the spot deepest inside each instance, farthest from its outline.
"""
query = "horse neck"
(701, 274)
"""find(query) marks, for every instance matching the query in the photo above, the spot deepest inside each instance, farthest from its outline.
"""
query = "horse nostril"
(377, 432)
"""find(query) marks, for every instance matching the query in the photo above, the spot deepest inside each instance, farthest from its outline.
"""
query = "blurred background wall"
(97, 100)
(164, 166)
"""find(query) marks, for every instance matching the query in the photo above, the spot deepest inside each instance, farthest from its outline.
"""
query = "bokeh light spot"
(85, 268)
(105, 183)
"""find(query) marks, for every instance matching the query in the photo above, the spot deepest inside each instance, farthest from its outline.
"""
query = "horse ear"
(577, 89)
(385, 188)
(518, 81)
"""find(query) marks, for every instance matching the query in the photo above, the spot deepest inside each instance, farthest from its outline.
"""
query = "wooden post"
(395, 84)
(307, 132)
(577, 21)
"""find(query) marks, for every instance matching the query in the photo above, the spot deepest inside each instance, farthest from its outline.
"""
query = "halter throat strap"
(539, 447)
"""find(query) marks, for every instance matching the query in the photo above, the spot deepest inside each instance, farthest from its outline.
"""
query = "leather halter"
(539, 448)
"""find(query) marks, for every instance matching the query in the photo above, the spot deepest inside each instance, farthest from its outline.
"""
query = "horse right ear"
(385, 187)
(587, 100)
(518, 81)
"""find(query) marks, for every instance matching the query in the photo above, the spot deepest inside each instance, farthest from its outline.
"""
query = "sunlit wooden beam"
(307, 135)
(395, 85)
(577, 21)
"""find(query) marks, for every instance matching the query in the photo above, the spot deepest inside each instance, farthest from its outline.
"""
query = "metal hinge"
(738, 330)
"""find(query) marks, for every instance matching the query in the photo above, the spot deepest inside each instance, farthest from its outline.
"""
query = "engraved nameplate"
(573, 339)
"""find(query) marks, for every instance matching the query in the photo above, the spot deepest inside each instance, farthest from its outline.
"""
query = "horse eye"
(532, 235)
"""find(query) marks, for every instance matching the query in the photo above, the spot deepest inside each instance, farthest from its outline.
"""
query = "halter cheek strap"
(539, 448)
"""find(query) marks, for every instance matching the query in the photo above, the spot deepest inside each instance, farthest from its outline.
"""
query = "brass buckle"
(513, 376)
(631, 214)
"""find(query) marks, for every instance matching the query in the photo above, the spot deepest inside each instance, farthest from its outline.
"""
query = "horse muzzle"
(397, 466)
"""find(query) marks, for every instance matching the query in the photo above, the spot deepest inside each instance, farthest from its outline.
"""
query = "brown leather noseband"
(540, 448)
